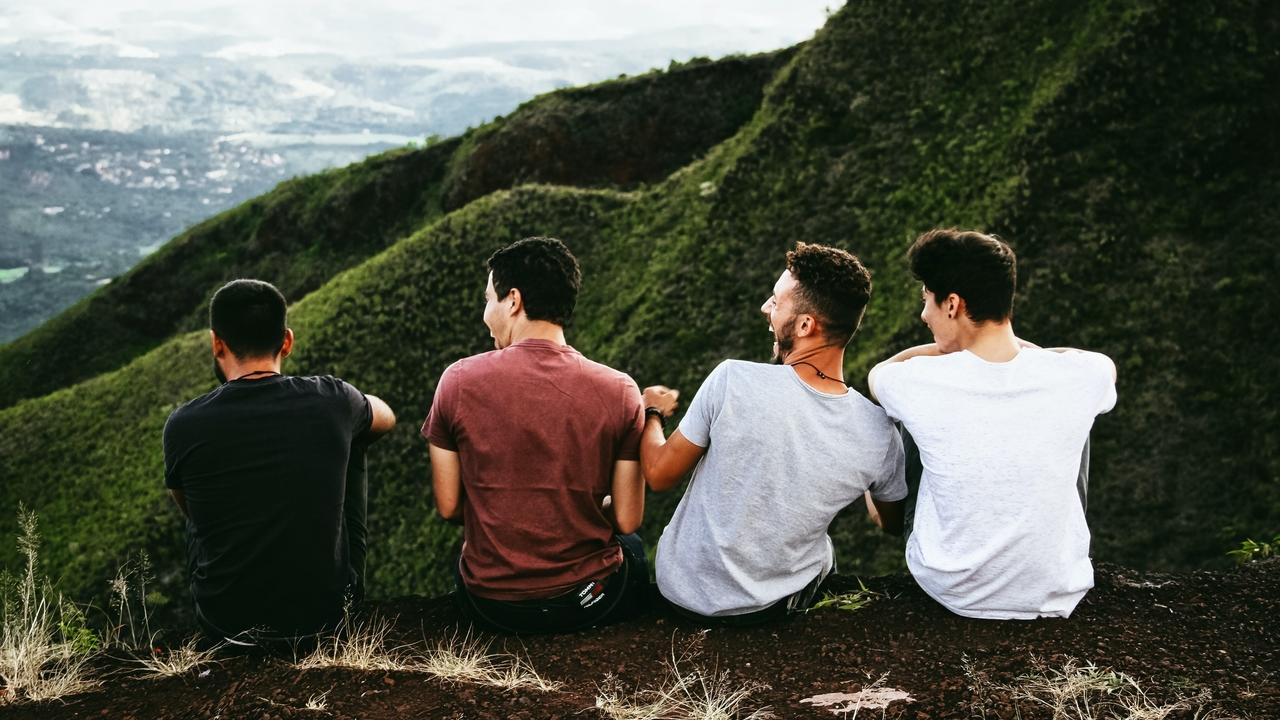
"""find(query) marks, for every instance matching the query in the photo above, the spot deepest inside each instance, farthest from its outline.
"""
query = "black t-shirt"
(262, 465)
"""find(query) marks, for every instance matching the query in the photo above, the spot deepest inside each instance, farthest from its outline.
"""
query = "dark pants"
(599, 601)
(793, 604)
(915, 469)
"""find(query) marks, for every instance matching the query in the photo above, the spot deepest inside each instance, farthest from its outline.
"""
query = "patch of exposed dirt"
(1208, 636)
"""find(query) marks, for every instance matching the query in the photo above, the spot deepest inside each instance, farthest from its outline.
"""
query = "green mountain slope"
(619, 134)
(1127, 150)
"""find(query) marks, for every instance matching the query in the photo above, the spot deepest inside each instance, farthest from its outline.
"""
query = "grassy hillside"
(619, 134)
(1127, 150)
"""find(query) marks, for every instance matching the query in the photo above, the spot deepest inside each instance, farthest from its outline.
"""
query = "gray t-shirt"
(782, 459)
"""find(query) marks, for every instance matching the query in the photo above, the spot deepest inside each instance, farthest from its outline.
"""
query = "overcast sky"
(395, 27)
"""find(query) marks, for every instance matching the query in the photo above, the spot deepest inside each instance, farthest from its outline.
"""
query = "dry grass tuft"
(42, 656)
(1085, 692)
(687, 693)
(458, 658)
(463, 658)
(318, 702)
(177, 661)
(359, 646)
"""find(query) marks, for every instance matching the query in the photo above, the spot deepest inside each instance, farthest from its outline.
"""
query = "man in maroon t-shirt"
(535, 449)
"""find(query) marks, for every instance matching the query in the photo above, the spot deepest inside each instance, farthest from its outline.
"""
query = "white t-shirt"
(999, 530)
(782, 459)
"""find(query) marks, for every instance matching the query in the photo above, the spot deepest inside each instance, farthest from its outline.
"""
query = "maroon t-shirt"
(537, 428)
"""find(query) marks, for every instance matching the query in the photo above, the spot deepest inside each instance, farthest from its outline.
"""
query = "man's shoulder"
(192, 409)
(749, 371)
(475, 368)
(1083, 362)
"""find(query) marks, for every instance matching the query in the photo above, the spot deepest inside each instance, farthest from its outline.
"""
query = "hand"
(661, 397)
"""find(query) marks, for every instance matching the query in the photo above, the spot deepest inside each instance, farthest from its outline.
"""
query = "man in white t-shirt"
(776, 450)
(999, 529)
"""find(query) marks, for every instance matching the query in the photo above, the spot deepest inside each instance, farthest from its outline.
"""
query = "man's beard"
(785, 339)
(217, 372)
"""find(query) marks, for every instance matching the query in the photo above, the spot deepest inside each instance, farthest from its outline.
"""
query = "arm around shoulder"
(878, 371)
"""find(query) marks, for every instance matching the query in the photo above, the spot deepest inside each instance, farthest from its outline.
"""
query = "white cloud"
(397, 27)
(12, 112)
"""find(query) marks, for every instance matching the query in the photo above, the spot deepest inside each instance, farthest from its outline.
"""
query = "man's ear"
(515, 302)
(219, 347)
(807, 325)
(954, 305)
(287, 346)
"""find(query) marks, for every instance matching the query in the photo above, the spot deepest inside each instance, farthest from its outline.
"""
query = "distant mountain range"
(107, 149)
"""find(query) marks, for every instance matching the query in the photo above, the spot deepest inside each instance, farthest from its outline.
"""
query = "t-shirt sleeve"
(891, 388)
(1101, 372)
(439, 427)
(705, 408)
(632, 424)
(890, 483)
(357, 405)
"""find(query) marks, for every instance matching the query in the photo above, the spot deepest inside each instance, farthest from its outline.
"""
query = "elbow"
(657, 482)
(449, 513)
(627, 526)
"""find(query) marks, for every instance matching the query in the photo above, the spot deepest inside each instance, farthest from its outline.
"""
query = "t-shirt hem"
(903, 496)
(440, 441)
(993, 614)
(721, 613)
(511, 595)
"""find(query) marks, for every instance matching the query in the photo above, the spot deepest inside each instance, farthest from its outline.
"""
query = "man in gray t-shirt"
(779, 449)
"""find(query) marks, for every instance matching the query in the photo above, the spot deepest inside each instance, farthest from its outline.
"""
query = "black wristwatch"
(662, 419)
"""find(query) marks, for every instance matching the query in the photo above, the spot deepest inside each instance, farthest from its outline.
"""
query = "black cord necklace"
(821, 374)
(269, 373)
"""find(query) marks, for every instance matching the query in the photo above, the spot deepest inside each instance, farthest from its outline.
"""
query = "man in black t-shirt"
(268, 470)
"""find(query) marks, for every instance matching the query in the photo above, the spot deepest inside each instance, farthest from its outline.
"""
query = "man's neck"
(821, 367)
(992, 341)
(538, 330)
(253, 368)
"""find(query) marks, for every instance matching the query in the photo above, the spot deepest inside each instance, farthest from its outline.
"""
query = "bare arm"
(886, 514)
(917, 351)
(383, 417)
(627, 508)
(446, 482)
(665, 461)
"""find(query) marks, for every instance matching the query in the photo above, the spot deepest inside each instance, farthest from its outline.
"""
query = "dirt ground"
(1208, 638)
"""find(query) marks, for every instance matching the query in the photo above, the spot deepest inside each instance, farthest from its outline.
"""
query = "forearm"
(653, 444)
(917, 351)
(911, 352)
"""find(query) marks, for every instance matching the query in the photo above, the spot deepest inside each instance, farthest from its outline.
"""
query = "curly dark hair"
(980, 268)
(833, 285)
(249, 316)
(546, 273)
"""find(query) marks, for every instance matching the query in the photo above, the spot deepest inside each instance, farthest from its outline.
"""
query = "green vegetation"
(1127, 150)
(1251, 550)
(849, 601)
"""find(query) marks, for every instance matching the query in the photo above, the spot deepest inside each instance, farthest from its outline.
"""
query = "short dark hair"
(546, 274)
(249, 316)
(980, 268)
(831, 284)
